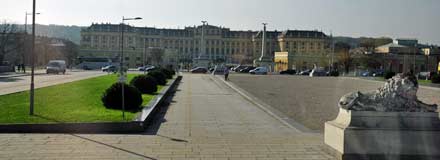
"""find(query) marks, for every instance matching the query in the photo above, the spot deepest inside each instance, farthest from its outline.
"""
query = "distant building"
(302, 49)
(102, 41)
(404, 55)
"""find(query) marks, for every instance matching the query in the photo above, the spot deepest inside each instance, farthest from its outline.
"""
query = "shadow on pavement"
(159, 118)
(114, 147)
(9, 79)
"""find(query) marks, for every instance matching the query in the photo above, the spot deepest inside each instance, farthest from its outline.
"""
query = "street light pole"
(121, 65)
(31, 107)
(25, 37)
(415, 50)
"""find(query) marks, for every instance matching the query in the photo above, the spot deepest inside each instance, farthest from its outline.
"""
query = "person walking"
(226, 72)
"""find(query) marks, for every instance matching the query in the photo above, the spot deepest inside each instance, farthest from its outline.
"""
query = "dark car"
(238, 68)
(109, 68)
(199, 70)
(378, 73)
(288, 71)
(247, 69)
(305, 72)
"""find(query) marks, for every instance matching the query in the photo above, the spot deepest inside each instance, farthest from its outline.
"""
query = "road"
(12, 84)
(205, 120)
(312, 100)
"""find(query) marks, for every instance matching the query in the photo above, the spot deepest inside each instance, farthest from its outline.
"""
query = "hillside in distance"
(71, 33)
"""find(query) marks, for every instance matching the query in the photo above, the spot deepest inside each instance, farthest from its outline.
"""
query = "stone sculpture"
(399, 94)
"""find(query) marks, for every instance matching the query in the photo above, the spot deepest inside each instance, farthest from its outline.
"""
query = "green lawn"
(78, 101)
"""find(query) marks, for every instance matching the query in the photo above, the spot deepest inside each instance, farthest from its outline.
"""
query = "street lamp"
(31, 107)
(415, 51)
(121, 70)
(25, 37)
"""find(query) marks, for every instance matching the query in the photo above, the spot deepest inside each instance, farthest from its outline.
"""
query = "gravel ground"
(311, 100)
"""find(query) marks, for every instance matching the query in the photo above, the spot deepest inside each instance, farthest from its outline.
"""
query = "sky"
(418, 19)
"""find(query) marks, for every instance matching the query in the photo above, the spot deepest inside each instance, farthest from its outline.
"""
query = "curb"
(135, 126)
(284, 119)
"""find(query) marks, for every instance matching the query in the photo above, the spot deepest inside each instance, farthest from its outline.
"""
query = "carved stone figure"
(399, 94)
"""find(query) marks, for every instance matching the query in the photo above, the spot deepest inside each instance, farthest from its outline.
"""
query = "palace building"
(222, 45)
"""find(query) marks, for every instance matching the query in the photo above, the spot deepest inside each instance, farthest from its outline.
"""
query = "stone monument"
(264, 60)
(389, 123)
(202, 60)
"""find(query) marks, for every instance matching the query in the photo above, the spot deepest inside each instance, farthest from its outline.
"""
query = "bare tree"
(10, 39)
(344, 56)
(70, 51)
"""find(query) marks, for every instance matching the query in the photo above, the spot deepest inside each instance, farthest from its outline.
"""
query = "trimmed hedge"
(389, 74)
(160, 77)
(112, 97)
(167, 73)
(145, 84)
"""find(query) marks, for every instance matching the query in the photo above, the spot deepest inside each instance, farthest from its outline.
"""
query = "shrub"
(435, 78)
(112, 97)
(144, 83)
(389, 74)
(159, 76)
(167, 73)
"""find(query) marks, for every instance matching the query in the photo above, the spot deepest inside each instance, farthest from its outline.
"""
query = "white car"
(259, 70)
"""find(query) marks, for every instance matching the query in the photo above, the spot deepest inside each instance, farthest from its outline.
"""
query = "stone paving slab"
(205, 120)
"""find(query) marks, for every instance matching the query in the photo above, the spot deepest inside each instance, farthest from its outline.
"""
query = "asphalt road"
(312, 100)
(12, 84)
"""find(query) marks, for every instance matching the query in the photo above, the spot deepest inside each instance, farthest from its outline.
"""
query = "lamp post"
(25, 37)
(121, 70)
(415, 51)
(31, 103)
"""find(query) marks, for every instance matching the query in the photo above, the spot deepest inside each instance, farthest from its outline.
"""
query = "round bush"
(145, 84)
(172, 71)
(389, 74)
(159, 76)
(167, 73)
(112, 97)
(435, 78)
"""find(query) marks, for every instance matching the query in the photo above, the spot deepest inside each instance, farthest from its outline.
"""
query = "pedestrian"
(226, 72)
(23, 67)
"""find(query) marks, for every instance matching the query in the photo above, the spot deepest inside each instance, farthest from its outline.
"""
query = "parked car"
(378, 73)
(247, 69)
(56, 66)
(425, 75)
(317, 73)
(288, 71)
(259, 70)
(218, 70)
(305, 72)
(199, 70)
(238, 68)
(366, 74)
(109, 68)
(144, 68)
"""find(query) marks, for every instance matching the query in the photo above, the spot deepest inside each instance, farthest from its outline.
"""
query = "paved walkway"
(205, 120)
